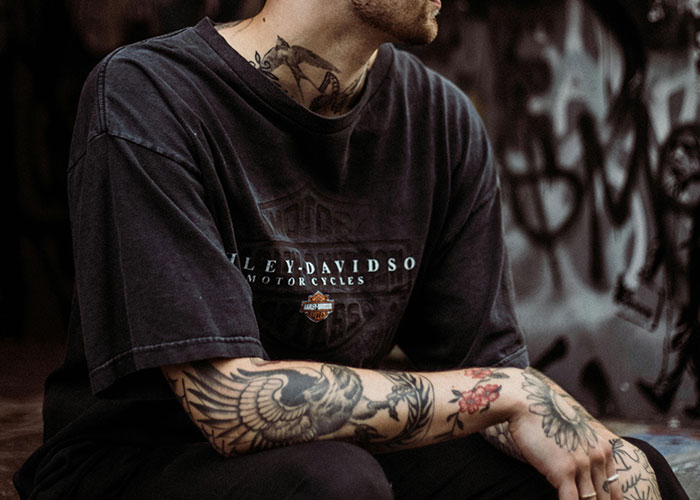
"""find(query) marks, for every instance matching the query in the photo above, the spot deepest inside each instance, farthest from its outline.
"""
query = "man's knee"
(337, 470)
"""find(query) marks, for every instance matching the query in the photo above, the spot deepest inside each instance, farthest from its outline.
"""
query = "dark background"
(47, 49)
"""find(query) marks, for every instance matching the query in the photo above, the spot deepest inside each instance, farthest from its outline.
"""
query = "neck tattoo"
(322, 94)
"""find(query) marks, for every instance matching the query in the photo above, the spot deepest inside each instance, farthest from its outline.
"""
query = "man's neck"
(320, 58)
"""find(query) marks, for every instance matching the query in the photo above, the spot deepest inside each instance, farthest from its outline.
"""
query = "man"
(289, 188)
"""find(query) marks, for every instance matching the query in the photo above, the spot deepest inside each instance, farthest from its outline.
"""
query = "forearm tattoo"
(478, 398)
(256, 410)
(562, 419)
(418, 393)
(328, 96)
(640, 479)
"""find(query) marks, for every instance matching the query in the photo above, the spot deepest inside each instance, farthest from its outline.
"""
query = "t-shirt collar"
(274, 97)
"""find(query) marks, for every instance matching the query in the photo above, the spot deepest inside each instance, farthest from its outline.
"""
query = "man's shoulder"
(141, 90)
(430, 96)
(422, 80)
(151, 56)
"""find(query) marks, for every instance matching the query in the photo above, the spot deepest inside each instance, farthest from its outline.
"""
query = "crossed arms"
(247, 405)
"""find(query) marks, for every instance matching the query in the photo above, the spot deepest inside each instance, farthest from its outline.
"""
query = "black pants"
(461, 469)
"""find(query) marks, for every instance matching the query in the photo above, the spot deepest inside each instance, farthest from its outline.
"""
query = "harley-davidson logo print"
(318, 307)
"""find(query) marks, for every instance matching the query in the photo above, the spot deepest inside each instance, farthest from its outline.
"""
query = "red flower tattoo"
(478, 399)
(478, 372)
(489, 392)
(470, 402)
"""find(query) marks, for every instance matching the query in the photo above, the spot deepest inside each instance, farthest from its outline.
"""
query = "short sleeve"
(153, 282)
(461, 313)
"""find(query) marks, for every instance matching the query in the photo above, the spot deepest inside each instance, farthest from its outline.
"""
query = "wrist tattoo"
(419, 395)
(476, 399)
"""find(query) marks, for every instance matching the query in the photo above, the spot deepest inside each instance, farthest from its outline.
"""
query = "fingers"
(599, 471)
(604, 479)
(587, 491)
(611, 483)
(567, 491)
(592, 476)
(577, 482)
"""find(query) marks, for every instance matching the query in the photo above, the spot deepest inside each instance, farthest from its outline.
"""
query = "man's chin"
(423, 37)
(427, 38)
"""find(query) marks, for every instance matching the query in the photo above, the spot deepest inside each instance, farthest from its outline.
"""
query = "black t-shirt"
(213, 216)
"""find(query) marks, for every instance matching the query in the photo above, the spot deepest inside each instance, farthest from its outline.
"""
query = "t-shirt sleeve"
(153, 280)
(461, 313)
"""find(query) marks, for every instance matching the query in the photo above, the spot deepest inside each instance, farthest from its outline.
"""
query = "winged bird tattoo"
(293, 56)
(302, 62)
(278, 407)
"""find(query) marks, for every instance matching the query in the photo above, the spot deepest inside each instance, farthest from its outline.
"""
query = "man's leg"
(471, 468)
(467, 468)
(464, 469)
(320, 470)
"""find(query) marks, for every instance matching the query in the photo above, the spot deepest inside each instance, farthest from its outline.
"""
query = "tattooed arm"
(246, 405)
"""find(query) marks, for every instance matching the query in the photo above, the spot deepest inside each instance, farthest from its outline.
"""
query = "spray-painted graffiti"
(593, 114)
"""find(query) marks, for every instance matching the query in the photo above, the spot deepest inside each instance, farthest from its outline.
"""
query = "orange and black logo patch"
(317, 307)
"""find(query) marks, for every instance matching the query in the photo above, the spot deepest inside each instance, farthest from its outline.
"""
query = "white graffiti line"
(669, 75)
(640, 245)
(578, 77)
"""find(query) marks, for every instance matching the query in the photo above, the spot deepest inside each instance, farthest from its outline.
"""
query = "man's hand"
(576, 453)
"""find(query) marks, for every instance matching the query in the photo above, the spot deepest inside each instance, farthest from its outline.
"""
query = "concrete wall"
(593, 111)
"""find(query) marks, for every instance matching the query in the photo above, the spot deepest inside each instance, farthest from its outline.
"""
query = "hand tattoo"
(562, 418)
(640, 484)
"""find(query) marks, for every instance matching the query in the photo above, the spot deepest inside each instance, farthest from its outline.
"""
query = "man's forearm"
(245, 405)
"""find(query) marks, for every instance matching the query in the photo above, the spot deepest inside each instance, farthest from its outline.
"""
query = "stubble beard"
(401, 24)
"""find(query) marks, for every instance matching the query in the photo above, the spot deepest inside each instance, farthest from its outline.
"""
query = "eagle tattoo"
(279, 407)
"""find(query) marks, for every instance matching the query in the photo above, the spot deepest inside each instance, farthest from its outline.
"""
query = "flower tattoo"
(478, 372)
(476, 399)
(566, 423)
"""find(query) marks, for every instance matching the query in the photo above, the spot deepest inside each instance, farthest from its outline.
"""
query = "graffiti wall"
(593, 111)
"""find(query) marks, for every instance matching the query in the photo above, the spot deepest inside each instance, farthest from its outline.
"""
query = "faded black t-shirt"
(213, 216)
